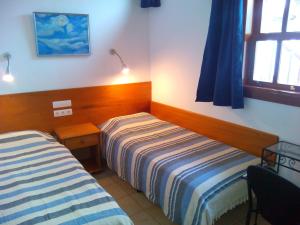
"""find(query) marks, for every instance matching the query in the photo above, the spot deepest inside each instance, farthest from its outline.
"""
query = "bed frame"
(248, 139)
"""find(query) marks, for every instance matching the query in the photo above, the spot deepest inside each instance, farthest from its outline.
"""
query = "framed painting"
(61, 34)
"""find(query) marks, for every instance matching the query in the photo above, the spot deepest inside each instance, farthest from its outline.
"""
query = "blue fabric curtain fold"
(221, 79)
(150, 3)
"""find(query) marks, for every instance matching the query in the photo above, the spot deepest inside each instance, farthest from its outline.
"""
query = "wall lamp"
(125, 69)
(7, 77)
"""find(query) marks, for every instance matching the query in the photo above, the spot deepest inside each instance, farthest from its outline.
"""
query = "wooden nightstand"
(82, 137)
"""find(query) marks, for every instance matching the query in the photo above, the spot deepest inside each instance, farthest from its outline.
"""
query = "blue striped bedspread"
(42, 183)
(192, 178)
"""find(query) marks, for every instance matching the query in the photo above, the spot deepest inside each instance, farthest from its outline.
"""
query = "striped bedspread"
(192, 178)
(42, 183)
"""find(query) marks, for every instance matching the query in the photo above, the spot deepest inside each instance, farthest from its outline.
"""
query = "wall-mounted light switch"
(62, 104)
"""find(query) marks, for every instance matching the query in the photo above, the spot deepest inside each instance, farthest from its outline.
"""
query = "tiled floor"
(143, 212)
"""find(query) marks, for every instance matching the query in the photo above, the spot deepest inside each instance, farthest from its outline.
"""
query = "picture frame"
(61, 34)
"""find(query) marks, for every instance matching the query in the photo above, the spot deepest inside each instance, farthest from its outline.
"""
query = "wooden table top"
(77, 130)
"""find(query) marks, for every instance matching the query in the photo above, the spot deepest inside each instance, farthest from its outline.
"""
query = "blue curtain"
(150, 3)
(221, 73)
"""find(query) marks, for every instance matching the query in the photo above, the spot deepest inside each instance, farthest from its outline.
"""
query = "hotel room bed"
(192, 178)
(42, 183)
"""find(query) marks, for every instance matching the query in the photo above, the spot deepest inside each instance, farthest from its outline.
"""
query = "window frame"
(274, 91)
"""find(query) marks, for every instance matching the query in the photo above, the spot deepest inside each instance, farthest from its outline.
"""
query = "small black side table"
(282, 154)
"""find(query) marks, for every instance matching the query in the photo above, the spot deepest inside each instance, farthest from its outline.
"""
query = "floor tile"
(158, 215)
(147, 222)
(233, 216)
(116, 191)
(106, 173)
(141, 218)
(142, 200)
(237, 216)
(105, 181)
(129, 205)
(125, 187)
(117, 179)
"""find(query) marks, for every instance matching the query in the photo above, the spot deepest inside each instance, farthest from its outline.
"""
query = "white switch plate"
(62, 104)
(63, 112)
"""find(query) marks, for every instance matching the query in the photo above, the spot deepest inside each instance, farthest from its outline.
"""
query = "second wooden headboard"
(248, 139)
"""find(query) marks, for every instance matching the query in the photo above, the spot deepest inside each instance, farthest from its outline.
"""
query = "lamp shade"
(8, 77)
(125, 68)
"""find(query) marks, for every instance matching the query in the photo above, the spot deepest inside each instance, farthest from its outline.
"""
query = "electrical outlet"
(63, 112)
(68, 112)
(56, 113)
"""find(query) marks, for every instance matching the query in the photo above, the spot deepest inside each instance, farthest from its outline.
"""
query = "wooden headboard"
(248, 139)
(92, 104)
(97, 104)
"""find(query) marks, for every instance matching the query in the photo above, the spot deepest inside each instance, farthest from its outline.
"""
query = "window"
(272, 63)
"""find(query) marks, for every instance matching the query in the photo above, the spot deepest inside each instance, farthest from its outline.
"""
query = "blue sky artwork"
(61, 34)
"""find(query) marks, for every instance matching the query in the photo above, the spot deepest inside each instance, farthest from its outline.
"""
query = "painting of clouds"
(61, 34)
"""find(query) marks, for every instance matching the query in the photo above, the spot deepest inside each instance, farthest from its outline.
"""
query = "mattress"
(192, 178)
(42, 183)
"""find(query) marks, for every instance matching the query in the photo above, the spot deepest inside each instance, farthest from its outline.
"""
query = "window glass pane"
(289, 68)
(272, 15)
(294, 16)
(249, 16)
(264, 64)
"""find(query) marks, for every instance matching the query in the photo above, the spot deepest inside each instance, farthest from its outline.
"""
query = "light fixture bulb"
(8, 78)
(125, 70)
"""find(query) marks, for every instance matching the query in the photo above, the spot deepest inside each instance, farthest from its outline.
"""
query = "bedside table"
(82, 137)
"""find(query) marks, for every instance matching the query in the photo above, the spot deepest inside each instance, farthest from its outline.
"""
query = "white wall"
(177, 39)
(177, 33)
(121, 24)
